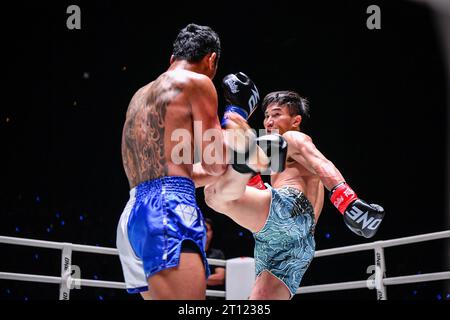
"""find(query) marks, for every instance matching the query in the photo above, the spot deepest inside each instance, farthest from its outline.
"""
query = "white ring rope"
(378, 246)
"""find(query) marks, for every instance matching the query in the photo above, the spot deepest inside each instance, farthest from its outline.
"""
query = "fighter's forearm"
(214, 282)
(328, 173)
(217, 278)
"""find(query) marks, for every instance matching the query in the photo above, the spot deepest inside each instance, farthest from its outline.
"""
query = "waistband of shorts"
(293, 190)
(181, 185)
(299, 196)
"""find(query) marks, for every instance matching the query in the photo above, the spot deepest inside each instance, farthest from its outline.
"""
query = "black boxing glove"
(362, 218)
(241, 95)
(274, 147)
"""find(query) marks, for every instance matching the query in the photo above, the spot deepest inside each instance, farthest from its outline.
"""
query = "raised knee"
(210, 195)
(213, 199)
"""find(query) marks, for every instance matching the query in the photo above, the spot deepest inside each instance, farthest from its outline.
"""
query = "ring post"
(66, 271)
(380, 272)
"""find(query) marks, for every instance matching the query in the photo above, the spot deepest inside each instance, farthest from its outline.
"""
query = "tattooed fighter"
(160, 235)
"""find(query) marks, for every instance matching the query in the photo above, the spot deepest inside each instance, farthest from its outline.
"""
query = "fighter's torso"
(155, 111)
(295, 175)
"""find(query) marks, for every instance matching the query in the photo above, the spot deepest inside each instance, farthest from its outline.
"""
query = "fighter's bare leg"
(230, 186)
(247, 206)
(187, 281)
(269, 287)
(146, 295)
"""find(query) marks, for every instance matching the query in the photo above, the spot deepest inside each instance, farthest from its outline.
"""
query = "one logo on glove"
(254, 99)
(360, 216)
(187, 213)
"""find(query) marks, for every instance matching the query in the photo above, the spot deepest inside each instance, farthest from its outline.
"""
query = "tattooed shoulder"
(143, 149)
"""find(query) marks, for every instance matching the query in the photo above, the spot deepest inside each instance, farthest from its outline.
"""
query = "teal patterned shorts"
(285, 245)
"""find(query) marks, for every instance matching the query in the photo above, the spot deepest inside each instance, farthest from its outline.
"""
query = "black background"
(378, 111)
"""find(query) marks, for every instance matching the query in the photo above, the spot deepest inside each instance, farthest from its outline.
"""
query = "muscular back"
(155, 111)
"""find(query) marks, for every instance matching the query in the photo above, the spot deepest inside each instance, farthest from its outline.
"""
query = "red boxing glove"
(256, 182)
(342, 196)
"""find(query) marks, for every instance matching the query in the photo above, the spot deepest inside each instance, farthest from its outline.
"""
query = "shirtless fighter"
(282, 218)
(161, 235)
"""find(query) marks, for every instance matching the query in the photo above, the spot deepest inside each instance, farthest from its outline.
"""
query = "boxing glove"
(241, 95)
(362, 218)
(275, 148)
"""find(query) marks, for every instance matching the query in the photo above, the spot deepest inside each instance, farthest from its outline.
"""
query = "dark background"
(378, 111)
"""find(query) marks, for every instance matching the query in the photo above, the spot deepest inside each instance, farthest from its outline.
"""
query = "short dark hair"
(297, 104)
(194, 42)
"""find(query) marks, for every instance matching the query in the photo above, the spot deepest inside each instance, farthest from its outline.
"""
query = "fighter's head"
(199, 45)
(284, 111)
